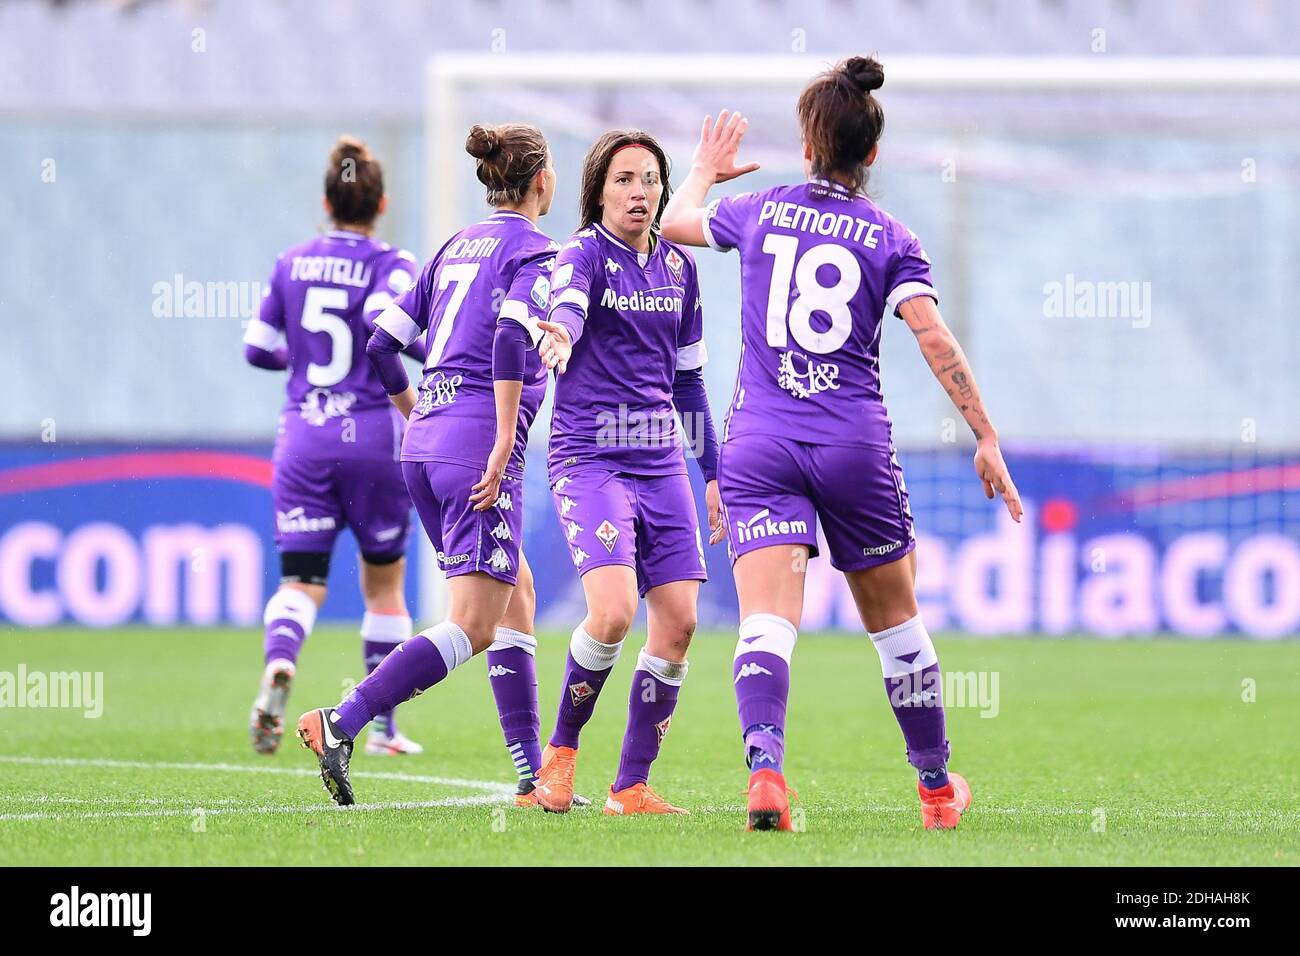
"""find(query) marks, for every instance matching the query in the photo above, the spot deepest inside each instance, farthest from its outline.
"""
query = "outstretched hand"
(719, 143)
(555, 348)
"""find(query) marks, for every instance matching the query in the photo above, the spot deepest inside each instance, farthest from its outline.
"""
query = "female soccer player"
(807, 435)
(335, 460)
(480, 299)
(625, 333)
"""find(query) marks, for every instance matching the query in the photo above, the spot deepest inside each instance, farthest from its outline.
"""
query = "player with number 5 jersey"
(336, 453)
(807, 439)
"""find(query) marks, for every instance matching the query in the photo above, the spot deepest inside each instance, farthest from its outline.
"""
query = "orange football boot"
(638, 798)
(769, 801)
(941, 809)
(554, 789)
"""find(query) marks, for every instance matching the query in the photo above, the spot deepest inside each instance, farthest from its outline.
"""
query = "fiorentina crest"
(661, 728)
(674, 261)
(580, 692)
(607, 534)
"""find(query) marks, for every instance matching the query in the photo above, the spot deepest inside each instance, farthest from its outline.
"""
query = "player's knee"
(610, 624)
(679, 631)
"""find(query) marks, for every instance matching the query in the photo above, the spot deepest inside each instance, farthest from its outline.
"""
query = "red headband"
(628, 146)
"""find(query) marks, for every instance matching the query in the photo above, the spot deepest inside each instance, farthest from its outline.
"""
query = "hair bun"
(482, 143)
(348, 147)
(865, 72)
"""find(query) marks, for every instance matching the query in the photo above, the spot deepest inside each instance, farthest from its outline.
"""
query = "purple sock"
(917, 701)
(412, 668)
(374, 653)
(589, 664)
(512, 673)
(649, 712)
(289, 617)
(761, 677)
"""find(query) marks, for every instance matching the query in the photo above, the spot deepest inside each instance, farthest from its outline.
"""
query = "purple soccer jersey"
(821, 268)
(322, 298)
(496, 270)
(635, 320)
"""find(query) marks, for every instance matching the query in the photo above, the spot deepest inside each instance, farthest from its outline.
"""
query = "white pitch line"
(258, 811)
(490, 786)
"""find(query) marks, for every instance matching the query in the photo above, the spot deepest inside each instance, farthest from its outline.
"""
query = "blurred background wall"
(157, 155)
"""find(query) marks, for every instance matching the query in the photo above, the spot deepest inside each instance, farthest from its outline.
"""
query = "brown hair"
(354, 182)
(596, 167)
(509, 156)
(840, 119)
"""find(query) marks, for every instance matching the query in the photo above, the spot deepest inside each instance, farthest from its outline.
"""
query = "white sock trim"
(386, 628)
(768, 633)
(590, 653)
(670, 672)
(907, 638)
(292, 605)
(452, 643)
(509, 637)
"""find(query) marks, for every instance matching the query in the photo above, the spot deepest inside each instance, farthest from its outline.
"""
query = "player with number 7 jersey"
(477, 301)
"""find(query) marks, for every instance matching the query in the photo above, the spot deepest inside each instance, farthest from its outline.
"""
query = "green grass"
(1155, 735)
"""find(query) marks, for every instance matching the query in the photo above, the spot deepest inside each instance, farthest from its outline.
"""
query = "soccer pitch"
(1093, 753)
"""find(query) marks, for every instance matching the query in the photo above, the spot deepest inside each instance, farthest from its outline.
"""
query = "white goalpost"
(1037, 124)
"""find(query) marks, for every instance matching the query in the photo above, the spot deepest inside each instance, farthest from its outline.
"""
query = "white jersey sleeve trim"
(692, 356)
(516, 311)
(263, 336)
(906, 291)
(576, 296)
(707, 229)
(398, 324)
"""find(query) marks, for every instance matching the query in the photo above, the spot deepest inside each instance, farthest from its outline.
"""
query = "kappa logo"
(499, 560)
(607, 534)
(501, 532)
(581, 692)
(284, 630)
(661, 728)
(567, 504)
(882, 549)
(563, 483)
(388, 534)
(674, 261)
(612, 267)
(750, 669)
(505, 502)
(499, 670)
(451, 560)
(572, 530)
(579, 556)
